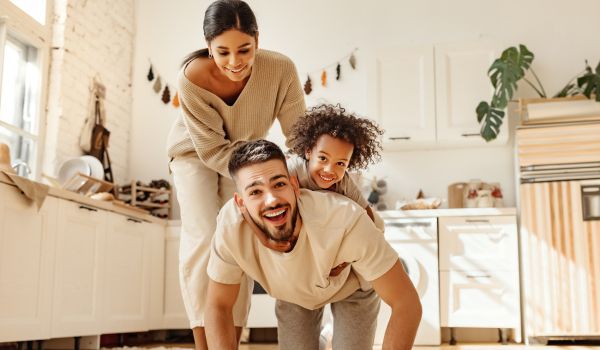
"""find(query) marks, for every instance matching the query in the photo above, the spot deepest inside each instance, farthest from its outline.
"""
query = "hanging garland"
(157, 86)
(338, 71)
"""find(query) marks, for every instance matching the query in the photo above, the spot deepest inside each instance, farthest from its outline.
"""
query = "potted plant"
(513, 66)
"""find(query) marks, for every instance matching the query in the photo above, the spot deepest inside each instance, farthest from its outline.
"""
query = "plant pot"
(558, 110)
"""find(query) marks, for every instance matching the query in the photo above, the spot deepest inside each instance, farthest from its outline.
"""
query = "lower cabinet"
(174, 316)
(75, 270)
(27, 238)
(479, 272)
(79, 270)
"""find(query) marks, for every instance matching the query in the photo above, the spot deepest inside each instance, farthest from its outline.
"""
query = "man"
(325, 230)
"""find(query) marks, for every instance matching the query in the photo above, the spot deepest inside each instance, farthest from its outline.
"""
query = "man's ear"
(295, 184)
(239, 201)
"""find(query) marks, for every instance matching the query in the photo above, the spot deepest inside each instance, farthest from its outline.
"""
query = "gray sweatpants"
(354, 323)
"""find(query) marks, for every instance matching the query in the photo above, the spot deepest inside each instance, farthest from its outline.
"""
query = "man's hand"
(263, 238)
(338, 269)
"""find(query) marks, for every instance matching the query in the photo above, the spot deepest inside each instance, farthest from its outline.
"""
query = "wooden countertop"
(105, 205)
(434, 213)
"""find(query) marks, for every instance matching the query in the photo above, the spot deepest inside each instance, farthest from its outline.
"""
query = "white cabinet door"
(401, 94)
(174, 316)
(156, 233)
(126, 275)
(78, 279)
(479, 299)
(461, 83)
(27, 238)
(478, 243)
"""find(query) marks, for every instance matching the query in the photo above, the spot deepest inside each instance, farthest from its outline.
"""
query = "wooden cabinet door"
(478, 243)
(27, 238)
(174, 312)
(126, 280)
(461, 83)
(79, 270)
(479, 299)
(156, 233)
(401, 94)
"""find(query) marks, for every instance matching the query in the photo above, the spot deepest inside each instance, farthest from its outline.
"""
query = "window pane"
(34, 8)
(22, 151)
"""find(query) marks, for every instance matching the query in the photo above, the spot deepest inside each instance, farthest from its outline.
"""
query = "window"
(19, 103)
(34, 8)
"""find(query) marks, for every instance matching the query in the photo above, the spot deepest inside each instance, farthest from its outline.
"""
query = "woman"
(230, 92)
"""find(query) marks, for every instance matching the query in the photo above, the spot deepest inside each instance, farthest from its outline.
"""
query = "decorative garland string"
(338, 71)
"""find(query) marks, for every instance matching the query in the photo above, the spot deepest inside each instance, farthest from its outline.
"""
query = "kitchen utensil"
(456, 195)
(71, 167)
(96, 167)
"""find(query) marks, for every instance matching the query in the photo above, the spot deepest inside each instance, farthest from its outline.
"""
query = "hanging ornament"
(324, 78)
(157, 85)
(166, 95)
(150, 75)
(308, 85)
(352, 61)
(176, 100)
(338, 72)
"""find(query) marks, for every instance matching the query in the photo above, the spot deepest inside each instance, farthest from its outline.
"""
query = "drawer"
(479, 299)
(478, 243)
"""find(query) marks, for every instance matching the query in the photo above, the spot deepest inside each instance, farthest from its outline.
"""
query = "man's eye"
(254, 193)
(280, 184)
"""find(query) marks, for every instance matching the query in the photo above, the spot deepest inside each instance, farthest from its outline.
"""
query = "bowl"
(71, 167)
(96, 167)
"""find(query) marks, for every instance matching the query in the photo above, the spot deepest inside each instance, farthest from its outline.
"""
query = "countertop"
(105, 205)
(434, 213)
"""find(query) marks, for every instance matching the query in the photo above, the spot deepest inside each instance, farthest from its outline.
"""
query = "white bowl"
(71, 167)
(96, 167)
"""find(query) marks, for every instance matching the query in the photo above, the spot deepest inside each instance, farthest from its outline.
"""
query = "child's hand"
(263, 238)
(338, 269)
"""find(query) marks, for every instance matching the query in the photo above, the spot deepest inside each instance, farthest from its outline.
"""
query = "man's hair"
(253, 152)
(334, 121)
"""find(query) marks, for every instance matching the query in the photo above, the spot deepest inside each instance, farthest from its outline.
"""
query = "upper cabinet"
(425, 96)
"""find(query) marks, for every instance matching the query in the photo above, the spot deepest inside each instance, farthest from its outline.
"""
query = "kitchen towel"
(35, 191)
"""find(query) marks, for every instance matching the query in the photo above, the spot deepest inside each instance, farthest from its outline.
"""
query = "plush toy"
(378, 189)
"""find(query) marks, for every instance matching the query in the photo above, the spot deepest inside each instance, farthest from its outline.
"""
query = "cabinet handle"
(484, 221)
(411, 224)
(399, 138)
(470, 135)
(87, 208)
(479, 276)
(134, 220)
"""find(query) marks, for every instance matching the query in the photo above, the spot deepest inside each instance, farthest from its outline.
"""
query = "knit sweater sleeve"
(293, 105)
(206, 130)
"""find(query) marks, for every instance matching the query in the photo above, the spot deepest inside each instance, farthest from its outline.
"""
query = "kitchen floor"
(472, 346)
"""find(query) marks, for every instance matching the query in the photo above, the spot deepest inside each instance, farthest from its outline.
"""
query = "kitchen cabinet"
(27, 240)
(479, 273)
(425, 96)
(126, 283)
(79, 270)
(174, 316)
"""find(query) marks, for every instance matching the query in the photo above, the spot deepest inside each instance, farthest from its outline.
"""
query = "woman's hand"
(263, 238)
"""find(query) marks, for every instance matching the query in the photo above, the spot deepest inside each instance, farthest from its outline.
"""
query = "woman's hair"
(221, 16)
(336, 122)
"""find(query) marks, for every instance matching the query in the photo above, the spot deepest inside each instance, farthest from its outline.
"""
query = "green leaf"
(490, 119)
(589, 83)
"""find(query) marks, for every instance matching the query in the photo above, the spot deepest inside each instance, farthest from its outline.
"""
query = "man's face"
(269, 195)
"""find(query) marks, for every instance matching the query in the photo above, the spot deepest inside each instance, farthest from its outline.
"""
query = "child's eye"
(322, 158)
(342, 164)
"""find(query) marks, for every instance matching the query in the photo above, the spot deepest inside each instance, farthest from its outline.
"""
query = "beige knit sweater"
(212, 129)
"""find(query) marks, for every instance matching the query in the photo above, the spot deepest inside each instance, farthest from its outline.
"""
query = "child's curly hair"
(334, 121)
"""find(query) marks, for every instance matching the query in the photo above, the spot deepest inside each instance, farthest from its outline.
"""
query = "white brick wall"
(91, 38)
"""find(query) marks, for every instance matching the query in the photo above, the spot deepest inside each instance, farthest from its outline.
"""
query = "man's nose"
(270, 198)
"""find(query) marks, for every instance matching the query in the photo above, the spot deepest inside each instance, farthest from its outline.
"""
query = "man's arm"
(396, 290)
(220, 330)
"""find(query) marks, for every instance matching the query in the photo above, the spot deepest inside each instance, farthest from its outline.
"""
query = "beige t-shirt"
(297, 166)
(334, 230)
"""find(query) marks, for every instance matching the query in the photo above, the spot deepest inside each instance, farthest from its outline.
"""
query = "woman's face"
(233, 52)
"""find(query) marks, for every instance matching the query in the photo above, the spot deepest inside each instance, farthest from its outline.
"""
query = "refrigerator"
(559, 202)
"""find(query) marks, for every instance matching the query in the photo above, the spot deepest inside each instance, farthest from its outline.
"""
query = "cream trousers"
(201, 192)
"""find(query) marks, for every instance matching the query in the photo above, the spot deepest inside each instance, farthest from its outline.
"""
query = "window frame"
(17, 24)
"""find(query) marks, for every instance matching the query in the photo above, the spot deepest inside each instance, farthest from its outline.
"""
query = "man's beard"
(282, 233)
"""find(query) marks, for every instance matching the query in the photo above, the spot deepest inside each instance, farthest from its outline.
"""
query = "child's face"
(328, 160)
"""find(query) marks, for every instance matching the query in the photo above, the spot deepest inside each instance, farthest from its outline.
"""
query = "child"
(327, 142)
